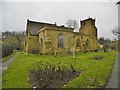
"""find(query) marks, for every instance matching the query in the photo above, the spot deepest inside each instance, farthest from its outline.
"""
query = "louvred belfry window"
(78, 43)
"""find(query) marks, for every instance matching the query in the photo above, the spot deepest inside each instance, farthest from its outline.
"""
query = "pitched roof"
(87, 19)
(34, 26)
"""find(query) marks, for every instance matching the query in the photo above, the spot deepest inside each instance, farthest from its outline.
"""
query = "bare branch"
(72, 23)
(116, 31)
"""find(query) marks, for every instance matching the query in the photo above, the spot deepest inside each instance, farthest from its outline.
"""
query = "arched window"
(60, 40)
(78, 43)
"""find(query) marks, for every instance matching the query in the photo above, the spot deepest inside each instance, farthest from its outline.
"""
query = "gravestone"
(55, 54)
(74, 55)
(68, 51)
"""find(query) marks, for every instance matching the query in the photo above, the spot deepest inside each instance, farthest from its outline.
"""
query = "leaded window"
(60, 40)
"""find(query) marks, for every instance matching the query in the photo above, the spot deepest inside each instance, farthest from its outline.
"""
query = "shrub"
(7, 49)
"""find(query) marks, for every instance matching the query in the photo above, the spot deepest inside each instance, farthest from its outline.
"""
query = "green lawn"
(94, 72)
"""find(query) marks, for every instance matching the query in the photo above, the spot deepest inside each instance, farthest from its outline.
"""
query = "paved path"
(113, 79)
(6, 64)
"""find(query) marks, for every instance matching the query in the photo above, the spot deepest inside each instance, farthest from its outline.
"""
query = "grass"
(9, 56)
(94, 72)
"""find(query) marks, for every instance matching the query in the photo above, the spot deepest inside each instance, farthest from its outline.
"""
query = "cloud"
(15, 14)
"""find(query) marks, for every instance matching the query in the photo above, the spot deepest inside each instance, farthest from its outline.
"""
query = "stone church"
(45, 38)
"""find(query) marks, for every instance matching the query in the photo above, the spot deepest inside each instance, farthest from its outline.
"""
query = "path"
(6, 64)
(113, 79)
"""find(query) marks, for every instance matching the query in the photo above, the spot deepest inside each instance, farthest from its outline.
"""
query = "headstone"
(55, 54)
(68, 51)
(34, 88)
(74, 55)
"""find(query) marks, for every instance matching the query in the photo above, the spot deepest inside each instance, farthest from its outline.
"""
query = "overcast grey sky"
(15, 14)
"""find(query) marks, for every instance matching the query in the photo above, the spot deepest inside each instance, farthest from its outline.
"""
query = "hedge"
(7, 49)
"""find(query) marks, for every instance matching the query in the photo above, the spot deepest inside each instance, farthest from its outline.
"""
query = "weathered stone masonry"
(47, 38)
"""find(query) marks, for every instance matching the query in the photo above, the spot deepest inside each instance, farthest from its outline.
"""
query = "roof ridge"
(39, 22)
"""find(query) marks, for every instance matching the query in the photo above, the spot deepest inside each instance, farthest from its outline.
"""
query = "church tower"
(88, 32)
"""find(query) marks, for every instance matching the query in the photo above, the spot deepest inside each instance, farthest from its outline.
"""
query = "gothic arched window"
(78, 43)
(60, 40)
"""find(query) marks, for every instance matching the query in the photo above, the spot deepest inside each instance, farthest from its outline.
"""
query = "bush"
(7, 49)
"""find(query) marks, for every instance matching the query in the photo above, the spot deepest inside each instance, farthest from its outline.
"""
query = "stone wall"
(32, 44)
(89, 32)
(48, 37)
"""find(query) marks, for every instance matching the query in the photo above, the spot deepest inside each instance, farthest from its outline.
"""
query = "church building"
(45, 38)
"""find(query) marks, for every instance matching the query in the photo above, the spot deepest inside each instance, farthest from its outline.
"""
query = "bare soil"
(97, 58)
(51, 78)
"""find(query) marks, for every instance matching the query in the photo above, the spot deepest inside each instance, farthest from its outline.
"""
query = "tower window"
(78, 43)
(83, 23)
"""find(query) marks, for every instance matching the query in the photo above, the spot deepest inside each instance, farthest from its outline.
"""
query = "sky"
(15, 14)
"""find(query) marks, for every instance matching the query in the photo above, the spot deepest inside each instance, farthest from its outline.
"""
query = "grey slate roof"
(34, 26)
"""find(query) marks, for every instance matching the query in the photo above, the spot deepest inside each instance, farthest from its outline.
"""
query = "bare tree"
(116, 32)
(72, 23)
(101, 40)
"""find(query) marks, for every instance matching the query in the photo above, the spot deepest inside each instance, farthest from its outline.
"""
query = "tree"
(72, 23)
(16, 39)
(116, 32)
(105, 42)
(20, 37)
(6, 49)
(6, 34)
(101, 40)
